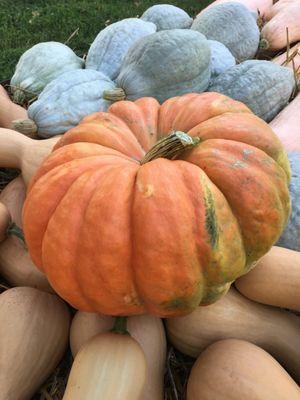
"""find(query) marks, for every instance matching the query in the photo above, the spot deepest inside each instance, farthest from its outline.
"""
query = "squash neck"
(171, 147)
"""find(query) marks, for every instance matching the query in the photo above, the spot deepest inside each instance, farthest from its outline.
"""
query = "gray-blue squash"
(263, 86)
(221, 58)
(290, 238)
(165, 64)
(111, 45)
(68, 99)
(39, 65)
(167, 16)
(231, 24)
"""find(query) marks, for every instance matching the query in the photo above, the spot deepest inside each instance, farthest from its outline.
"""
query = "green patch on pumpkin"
(211, 219)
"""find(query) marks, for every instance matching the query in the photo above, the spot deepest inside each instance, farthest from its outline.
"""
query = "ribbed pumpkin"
(122, 232)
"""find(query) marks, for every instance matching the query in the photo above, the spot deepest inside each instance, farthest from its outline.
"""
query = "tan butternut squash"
(34, 328)
(262, 5)
(237, 370)
(108, 366)
(19, 151)
(273, 33)
(9, 111)
(15, 263)
(285, 59)
(286, 125)
(234, 316)
(5, 219)
(277, 7)
(147, 330)
(275, 280)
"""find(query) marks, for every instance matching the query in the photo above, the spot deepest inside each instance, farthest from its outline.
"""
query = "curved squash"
(110, 46)
(285, 59)
(9, 111)
(218, 183)
(24, 153)
(167, 16)
(5, 219)
(15, 263)
(273, 33)
(286, 125)
(108, 366)
(262, 85)
(263, 6)
(234, 370)
(148, 331)
(39, 65)
(231, 24)
(275, 280)
(34, 329)
(183, 67)
(290, 237)
(278, 7)
(234, 316)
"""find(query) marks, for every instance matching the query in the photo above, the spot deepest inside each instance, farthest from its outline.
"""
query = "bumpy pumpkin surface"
(231, 24)
(67, 99)
(221, 58)
(111, 45)
(290, 238)
(167, 16)
(121, 237)
(263, 86)
(39, 65)
(166, 64)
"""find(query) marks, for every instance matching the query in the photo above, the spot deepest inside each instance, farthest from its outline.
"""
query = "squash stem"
(171, 146)
(120, 326)
(14, 229)
(117, 94)
(25, 126)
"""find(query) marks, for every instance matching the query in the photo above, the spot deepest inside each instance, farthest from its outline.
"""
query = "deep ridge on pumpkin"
(121, 238)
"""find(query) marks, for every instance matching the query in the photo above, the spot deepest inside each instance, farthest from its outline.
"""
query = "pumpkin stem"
(13, 229)
(171, 146)
(114, 94)
(25, 126)
(263, 44)
(120, 326)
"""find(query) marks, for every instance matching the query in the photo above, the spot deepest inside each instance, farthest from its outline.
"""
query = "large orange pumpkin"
(120, 232)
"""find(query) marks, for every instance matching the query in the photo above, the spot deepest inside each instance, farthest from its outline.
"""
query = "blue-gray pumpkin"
(167, 16)
(68, 99)
(221, 58)
(231, 24)
(111, 45)
(40, 65)
(290, 238)
(165, 64)
(263, 86)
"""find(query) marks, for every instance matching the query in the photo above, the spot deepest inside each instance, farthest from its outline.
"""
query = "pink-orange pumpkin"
(121, 236)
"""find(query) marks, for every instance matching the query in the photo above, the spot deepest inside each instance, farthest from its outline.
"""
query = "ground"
(24, 23)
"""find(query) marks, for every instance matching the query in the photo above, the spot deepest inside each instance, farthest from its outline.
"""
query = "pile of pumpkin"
(159, 184)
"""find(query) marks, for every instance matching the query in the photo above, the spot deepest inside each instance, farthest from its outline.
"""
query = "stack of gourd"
(159, 185)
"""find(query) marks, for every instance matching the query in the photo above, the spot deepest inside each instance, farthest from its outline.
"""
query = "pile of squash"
(159, 178)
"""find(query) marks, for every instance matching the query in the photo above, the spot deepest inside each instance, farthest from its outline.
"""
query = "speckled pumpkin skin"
(40, 65)
(167, 16)
(111, 45)
(231, 24)
(121, 238)
(221, 58)
(290, 239)
(263, 86)
(166, 64)
(66, 100)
